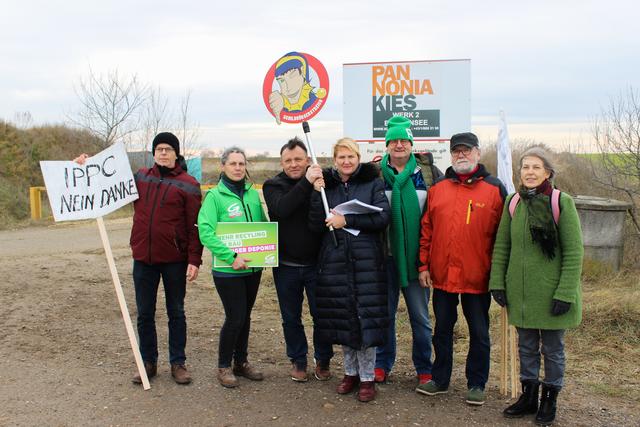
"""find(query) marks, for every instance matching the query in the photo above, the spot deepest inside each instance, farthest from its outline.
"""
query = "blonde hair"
(346, 143)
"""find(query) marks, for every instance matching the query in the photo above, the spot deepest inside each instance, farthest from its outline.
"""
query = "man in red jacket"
(457, 235)
(165, 243)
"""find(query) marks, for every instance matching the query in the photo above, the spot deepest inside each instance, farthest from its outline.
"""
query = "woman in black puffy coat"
(351, 293)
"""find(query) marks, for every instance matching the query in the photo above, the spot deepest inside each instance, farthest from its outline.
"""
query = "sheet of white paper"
(355, 206)
(352, 231)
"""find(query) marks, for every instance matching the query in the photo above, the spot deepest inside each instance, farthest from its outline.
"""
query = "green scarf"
(404, 232)
(541, 225)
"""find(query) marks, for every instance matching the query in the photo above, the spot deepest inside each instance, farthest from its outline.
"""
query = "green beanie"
(399, 127)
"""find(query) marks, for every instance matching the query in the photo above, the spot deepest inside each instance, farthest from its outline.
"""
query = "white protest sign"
(100, 186)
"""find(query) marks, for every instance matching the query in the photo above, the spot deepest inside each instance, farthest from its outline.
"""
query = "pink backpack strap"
(555, 205)
(513, 203)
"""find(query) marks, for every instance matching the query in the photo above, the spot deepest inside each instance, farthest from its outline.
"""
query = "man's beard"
(464, 168)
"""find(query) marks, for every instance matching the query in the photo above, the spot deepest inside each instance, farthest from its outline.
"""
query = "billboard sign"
(434, 95)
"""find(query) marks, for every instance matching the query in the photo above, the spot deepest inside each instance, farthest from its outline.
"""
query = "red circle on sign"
(297, 97)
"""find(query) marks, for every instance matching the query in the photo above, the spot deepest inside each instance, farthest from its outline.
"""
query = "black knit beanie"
(166, 138)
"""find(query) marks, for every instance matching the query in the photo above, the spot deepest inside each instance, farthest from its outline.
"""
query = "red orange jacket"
(458, 230)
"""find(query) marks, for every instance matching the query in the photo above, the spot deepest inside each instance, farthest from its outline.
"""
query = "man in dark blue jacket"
(287, 196)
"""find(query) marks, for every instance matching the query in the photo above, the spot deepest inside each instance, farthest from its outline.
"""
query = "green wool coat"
(530, 279)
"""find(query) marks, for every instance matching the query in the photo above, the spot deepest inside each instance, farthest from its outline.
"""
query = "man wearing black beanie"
(165, 244)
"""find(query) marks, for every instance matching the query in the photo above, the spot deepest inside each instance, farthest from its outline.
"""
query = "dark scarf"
(405, 219)
(164, 171)
(544, 232)
(237, 187)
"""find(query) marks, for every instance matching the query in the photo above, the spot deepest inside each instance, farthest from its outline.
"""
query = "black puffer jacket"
(351, 293)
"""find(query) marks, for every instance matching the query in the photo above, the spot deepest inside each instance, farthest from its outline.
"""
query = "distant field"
(259, 169)
(616, 158)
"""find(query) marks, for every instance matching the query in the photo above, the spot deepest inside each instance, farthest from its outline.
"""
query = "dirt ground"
(67, 361)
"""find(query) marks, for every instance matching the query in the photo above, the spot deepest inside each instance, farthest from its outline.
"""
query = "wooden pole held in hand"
(123, 304)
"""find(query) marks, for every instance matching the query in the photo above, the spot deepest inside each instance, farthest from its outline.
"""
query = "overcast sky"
(550, 65)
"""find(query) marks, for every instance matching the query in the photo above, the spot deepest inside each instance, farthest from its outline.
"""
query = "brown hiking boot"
(299, 372)
(248, 371)
(152, 370)
(226, 378)
(322, 372)
(180, 374)
(367, 391)
(347, 384)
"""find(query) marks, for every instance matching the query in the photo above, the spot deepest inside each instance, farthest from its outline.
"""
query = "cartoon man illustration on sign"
(295, 94)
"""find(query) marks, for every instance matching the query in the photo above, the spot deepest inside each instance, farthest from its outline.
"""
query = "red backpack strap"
(555, 205)
(513, 203)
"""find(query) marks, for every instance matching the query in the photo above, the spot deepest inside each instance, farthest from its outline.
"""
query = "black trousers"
(238, 294)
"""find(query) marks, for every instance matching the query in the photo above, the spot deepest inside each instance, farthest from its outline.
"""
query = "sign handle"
(123, 304)
(323, 195)
(514, 368)
(503, 350)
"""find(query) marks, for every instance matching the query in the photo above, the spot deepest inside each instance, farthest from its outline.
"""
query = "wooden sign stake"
(123, 304)
(503, 351)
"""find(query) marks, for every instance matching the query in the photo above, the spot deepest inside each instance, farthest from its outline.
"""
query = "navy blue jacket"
(351, 293)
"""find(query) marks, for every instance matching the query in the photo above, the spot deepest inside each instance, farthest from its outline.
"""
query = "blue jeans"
(476, 311)
(417, 300)
(146, 279)
(291, 284)
(529, 348)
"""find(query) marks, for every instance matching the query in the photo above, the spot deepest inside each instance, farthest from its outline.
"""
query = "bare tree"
(188, 132)
(109, 105)
(616, 133)
(154, 116)
(23, 120)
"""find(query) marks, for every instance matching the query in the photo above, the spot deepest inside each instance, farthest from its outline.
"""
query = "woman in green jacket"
(232, 200)
(535, 274)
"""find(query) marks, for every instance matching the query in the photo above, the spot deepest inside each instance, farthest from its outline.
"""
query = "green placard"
(255, 241)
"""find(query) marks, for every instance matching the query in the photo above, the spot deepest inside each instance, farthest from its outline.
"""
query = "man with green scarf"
(407, 179)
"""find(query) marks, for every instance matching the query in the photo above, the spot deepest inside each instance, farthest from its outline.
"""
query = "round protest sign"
(295, 88)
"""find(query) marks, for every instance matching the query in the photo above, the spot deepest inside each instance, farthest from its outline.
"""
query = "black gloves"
(559, 307)
(500, 297)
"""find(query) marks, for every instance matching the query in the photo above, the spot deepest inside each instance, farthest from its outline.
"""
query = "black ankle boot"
(528, 401)
(547, 411)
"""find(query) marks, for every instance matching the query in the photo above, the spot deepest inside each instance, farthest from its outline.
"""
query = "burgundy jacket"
(165, 217)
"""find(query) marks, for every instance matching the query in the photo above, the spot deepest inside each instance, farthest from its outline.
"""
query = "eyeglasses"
(464, 150)
(165, 149)
(400, 142)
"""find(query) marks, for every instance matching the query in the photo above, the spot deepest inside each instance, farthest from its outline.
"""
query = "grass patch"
(603, 353)
(594, 271)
